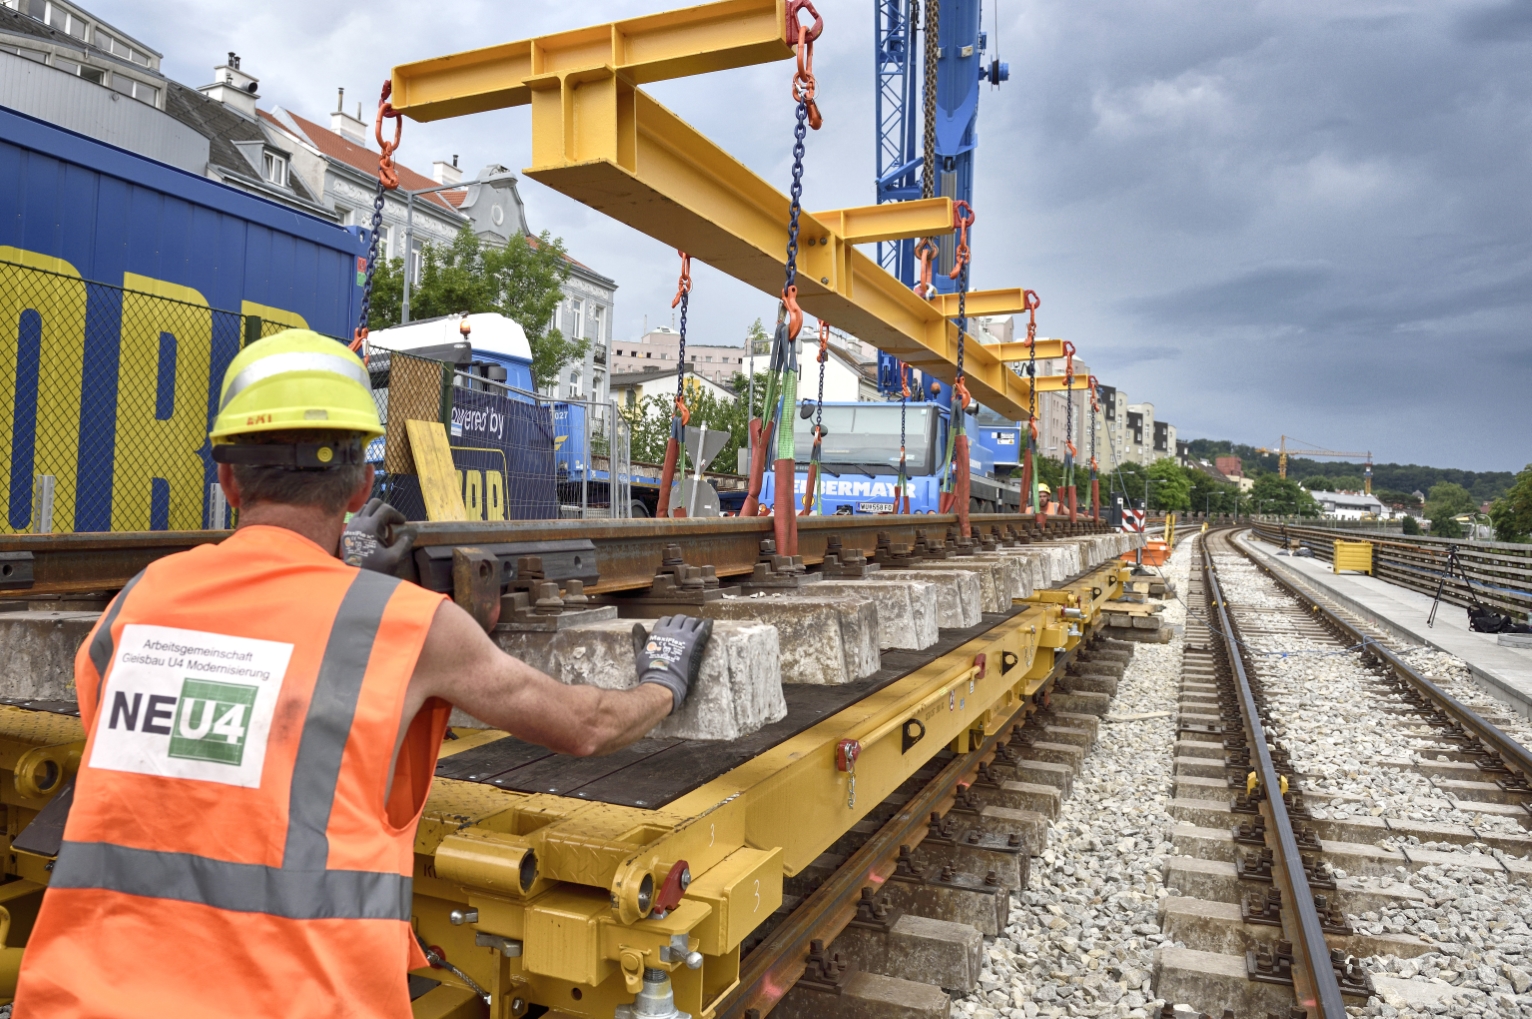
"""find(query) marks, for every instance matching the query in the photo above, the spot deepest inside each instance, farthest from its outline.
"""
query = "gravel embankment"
(1081, 939)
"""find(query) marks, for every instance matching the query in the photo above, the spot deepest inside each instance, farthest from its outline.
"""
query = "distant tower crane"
(1307, 449)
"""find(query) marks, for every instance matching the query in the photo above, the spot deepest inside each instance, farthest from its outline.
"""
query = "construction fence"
(107, 394)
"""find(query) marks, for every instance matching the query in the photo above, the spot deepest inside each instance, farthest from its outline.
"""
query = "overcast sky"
(1292, 217)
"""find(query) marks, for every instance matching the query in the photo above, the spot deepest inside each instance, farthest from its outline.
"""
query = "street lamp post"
(502, 181)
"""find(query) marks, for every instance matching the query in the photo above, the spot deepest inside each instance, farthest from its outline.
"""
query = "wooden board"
(414, 394)
(437, 473)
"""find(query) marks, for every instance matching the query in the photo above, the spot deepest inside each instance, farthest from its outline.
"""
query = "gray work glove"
(362, 543)
(671, 653)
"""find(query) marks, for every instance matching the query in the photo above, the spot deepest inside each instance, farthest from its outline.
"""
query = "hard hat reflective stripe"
(240, 887)
(328, 724)
(296, 361)
(101, 645)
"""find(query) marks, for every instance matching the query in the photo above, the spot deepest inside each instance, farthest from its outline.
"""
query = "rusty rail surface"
(628, 552)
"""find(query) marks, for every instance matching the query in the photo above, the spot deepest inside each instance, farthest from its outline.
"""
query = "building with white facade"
(629, 388)
(1350, 506)
(658, 350)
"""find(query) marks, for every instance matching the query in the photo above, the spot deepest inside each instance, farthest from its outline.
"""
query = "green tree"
(649, 421)
(1126, 478)
(1446, 527)
(523, 281)
(1318, 483)
(1283, 496)
(757, 340)
(1050, 472)
(1512, 514)
(1447, 499)
(1209, 495)
(1411, 525)
(1171, 488)
(1394, 497)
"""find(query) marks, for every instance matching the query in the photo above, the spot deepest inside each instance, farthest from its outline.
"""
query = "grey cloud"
(1261, 217)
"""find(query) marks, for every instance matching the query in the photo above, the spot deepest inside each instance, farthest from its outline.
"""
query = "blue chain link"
(372, 259)
(795, 192)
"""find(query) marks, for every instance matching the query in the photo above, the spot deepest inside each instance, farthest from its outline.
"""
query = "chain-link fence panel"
(502, 440)
(106, 396)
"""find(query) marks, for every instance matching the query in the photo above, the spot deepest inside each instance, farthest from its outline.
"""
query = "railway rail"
(1344, 818)
(619, 555)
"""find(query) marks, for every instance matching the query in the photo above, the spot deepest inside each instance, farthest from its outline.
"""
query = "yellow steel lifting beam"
(598, 138)
(656, 47)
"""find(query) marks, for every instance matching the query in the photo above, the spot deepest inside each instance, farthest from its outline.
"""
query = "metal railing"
(1501, 572)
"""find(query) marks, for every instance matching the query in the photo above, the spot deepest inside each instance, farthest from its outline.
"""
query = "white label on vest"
(189, 704)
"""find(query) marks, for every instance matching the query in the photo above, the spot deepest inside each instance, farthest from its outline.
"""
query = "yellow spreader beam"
(598, 138)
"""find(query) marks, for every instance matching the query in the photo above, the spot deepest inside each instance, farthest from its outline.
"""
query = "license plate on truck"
(874, 507)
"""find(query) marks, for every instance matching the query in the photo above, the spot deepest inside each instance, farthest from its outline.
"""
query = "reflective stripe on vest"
(301, 888)
(102, 645)
(240, 887)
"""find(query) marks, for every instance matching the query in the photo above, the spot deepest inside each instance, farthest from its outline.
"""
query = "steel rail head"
(1516, 755)
(627, 551)
(1314, 953)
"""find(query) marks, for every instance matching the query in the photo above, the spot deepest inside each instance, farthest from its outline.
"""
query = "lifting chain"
(811, 489)
(1068, 494)
(772, 436)
(933, 52)
(1095, 484)
(962, 213)
(926, 249)
(1032, 302)
(683, 300)
(388, 180)
(901, 491)
(804, 91)
(680, 417)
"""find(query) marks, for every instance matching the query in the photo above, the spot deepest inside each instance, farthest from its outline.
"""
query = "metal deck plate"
(652, 772)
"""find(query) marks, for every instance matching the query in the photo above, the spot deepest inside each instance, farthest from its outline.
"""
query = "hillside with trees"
(1391, 482)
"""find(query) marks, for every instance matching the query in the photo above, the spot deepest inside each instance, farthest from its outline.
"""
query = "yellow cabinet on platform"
(1353, 555)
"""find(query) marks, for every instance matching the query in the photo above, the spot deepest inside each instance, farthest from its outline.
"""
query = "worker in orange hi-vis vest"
(262, 721)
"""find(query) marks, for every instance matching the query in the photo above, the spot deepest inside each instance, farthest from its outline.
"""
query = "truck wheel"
(637, 509)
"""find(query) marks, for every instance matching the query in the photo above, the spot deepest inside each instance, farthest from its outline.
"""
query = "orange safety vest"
(233, 848)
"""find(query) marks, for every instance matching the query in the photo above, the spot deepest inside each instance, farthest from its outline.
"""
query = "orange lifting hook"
(802, 38)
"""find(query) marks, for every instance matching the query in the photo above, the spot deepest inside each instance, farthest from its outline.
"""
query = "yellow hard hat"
(1044, 488)
(295, 380)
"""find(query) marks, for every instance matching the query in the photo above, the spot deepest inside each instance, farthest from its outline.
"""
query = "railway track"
(610, 555)
(901, 914)
(1391, 875)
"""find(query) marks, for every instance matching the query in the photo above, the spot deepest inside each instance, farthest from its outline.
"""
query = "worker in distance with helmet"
(262, 723)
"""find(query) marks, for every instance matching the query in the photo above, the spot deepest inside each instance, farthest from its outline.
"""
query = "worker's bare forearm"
(623, 716)
(461, 665)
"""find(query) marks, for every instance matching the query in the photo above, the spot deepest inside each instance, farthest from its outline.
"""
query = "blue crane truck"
(859, 460)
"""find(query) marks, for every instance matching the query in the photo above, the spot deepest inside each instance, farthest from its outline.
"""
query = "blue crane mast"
(899, 67)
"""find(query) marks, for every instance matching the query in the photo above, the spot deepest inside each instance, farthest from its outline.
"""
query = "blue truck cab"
(859, 460)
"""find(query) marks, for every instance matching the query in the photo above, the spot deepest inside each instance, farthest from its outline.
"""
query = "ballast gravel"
(1345, 732)
(1081, 939)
